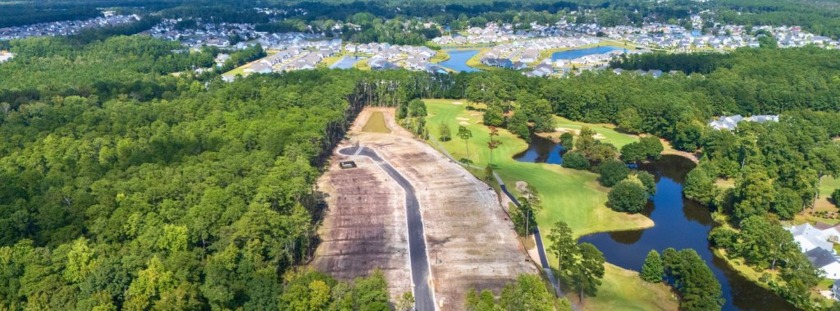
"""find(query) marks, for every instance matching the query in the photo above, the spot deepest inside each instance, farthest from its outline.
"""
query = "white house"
(809, 238)
(817, 244)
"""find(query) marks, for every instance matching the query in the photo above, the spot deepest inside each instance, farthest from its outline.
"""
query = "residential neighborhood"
(65, 28)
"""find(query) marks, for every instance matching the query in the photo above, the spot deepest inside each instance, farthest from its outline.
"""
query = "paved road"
(423, 296)
(537, 238)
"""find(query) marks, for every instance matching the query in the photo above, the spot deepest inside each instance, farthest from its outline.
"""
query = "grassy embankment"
(572, 196)
(439, 57)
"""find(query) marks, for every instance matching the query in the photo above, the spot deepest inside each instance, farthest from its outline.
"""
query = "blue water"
(458, 60)
(679, 223)
(346, 62)
(541, 150)
(572, 54)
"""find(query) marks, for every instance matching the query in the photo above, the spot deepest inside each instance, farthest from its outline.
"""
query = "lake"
(680, 223)
(458, 60)
(572, 54)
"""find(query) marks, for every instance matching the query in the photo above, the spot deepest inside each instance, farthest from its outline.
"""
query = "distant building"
(4, 56)
(731, 122)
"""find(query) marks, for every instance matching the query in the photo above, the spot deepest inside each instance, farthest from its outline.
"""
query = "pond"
(346, 62)
(458, 60)
(573, 54)
(680, 223)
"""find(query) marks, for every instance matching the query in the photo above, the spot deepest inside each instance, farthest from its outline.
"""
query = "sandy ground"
(470, 242)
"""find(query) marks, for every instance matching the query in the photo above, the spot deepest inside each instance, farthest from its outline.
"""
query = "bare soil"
(470, 241)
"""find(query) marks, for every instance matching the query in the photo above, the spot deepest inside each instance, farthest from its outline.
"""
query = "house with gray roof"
(825, 261)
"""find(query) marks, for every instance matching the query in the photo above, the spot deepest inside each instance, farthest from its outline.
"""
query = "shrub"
(612, 172)
(575, 160)
(627, 196)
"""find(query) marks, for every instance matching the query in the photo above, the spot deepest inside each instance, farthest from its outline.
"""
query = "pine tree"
(652, 269)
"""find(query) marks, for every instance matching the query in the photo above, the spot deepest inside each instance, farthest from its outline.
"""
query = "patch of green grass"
(827, 186)
(624, 290)
(362, 65)
(610, 135)
(376, 124)
(237, 71)
(440, 56)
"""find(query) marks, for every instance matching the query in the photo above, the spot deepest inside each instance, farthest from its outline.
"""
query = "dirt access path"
(470, 243)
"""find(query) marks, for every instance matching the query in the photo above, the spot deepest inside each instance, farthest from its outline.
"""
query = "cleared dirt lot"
(470, 242)
(364, 228)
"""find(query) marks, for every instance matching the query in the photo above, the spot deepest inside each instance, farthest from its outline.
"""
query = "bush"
(612, 172)
(648, 181)
(724, 238)
(575, 160)
(627, 196)
(835, 197)
(567, 140)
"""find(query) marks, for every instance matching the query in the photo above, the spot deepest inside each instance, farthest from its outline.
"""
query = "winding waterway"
(680, 223)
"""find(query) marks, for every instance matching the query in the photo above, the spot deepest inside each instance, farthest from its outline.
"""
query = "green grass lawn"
(376, 124)
(624, 290)
(827, 186)
(610, 135)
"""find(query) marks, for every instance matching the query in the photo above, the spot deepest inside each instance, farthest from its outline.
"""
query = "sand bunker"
(457, 103)
(464, 123)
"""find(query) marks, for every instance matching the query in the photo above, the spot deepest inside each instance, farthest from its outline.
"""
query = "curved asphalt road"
(423, 296)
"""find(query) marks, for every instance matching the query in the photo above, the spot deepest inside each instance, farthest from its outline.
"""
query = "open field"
(567, 195)
(470, 242)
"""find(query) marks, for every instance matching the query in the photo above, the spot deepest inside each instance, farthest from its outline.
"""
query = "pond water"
(680, 223)
(346, 62)
(458, 60)
(572, 54)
